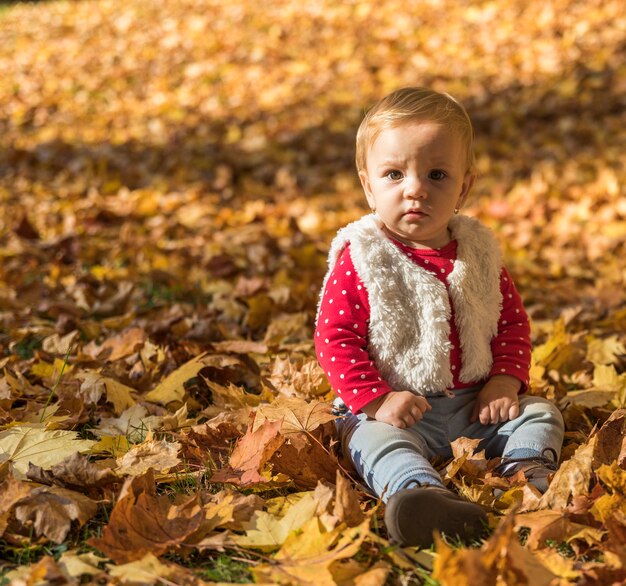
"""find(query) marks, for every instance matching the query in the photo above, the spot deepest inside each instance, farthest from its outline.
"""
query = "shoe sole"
(413, 516)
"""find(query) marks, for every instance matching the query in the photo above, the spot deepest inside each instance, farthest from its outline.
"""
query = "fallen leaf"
(50, 511)
(268, 532)
(23, 445)
(159, 455)
(12, 491)
(571, 479)
(143, 523)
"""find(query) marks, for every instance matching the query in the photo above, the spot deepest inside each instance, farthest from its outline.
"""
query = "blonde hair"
(413, 104)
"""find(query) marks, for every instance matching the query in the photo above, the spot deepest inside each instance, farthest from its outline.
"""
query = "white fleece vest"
(409, 328)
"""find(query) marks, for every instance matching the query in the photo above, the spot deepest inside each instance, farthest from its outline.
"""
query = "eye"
(437, 175)
(394, 175)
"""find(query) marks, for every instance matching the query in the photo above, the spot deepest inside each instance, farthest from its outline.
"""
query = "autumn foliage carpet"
(171, 174)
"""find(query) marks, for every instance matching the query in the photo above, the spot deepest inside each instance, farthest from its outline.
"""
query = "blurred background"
(201, 152)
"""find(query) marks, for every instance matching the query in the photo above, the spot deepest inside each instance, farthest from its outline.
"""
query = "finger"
(422, 404)
(399, 423)
(503, 412)
(416, 413)
(513, 410)
(494, 413)
(484, 414)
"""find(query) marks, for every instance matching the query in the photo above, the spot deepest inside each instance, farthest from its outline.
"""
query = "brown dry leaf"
(172, 389)
(500, 560)
(296, 415)
(119, 395)
(120, 346)
(299, 378)
(243, 507)
(251, 454)
(76, 472)
(134, 423)
(142, 522)
(465, 460)
(352, 573)
(571, 479)
(613, 503)
(160, 455)
(50, 511)
(12, 491)
(554, 525)
(610, 440)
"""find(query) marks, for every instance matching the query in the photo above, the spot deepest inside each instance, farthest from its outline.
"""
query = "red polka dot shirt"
(341, 333)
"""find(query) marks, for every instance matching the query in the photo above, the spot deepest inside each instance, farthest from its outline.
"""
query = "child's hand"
(399, 408)
(497, 401)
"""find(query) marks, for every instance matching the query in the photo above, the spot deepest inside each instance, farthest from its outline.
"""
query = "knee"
(540, 409)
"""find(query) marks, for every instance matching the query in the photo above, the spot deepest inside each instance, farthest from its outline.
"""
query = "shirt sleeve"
(511, 348)
(341, 338)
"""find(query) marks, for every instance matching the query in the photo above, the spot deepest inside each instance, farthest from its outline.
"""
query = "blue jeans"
(388, 458)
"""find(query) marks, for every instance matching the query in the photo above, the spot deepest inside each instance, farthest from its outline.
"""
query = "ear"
(466, 188)
(367, 189)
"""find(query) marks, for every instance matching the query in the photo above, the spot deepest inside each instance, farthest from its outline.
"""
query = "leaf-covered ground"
(171, 174)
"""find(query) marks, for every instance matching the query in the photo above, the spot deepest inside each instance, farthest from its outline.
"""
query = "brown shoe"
(412, 514)
(538, 471)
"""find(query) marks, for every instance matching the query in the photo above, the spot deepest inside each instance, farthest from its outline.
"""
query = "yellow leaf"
(22, 445)
(51, 371)
(571, 479)
(172, 388)
(115, 445)
(76, 564)
(604, 350)
(160, 455)
(148, 570)
(296, 414)
(307, 555)
(268, 532)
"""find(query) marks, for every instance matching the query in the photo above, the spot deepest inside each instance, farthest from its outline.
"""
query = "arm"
(511, 350)
(341, 346)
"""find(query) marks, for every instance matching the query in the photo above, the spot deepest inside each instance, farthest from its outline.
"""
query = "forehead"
(425, 136)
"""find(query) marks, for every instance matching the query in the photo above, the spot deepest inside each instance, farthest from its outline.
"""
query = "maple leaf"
(149, 570)
(94, 384)
(23, 445)
(251, 454)
(295, 414)
(76, 472)
(134, 423)
(172, 390)
(12, 491)
(268, 532)
(75, 565)
(160, 455)
(571, 479)
(307, 556)
(142, 522)
(610, 440)
(500, 560)
(51, 510)
(554, 525)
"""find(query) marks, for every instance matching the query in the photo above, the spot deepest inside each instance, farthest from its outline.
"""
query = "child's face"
(415, 178)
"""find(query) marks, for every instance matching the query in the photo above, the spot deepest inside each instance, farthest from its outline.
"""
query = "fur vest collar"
(410, 313)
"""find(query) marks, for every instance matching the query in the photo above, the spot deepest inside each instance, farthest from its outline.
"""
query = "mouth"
(415, 214)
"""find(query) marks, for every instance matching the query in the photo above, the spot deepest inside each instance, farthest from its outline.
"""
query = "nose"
(414, 188)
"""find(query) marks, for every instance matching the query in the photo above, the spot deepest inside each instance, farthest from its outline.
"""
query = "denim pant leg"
(538, 427)
(387, 458)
